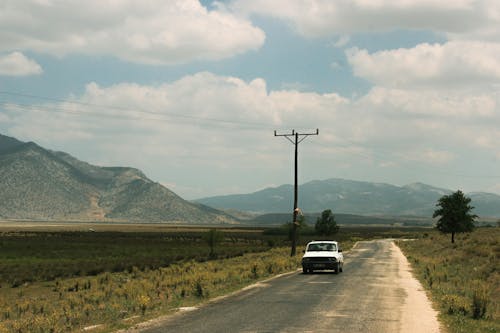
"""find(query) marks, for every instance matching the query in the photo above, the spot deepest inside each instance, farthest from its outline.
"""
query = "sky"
(191, 92)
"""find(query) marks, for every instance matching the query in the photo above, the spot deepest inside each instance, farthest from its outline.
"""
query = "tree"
(455, 214)
(326, 224)
(213, 237)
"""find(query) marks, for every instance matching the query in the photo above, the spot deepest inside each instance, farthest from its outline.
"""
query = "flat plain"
(61, 277)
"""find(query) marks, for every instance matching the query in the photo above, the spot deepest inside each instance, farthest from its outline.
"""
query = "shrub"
(455, 304)
(480, 300)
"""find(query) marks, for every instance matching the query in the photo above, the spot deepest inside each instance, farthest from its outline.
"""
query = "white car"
(322, 255)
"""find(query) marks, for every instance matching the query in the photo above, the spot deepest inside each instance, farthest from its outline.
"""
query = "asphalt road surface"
(375, 293)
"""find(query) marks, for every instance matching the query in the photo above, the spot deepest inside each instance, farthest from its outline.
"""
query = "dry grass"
(463, 278)
(110, 298)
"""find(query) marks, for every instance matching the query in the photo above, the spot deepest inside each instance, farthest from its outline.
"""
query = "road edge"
(418, 313)
(158, 321)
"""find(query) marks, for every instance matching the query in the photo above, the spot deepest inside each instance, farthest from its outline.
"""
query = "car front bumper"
(319, 264)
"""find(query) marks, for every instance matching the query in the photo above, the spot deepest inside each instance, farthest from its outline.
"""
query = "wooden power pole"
(297, 138)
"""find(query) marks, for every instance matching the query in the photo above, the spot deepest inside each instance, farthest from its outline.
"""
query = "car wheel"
(304, 270)
(341, 267)
(337, 268)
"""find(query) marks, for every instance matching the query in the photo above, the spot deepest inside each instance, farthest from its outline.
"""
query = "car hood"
(316, 254)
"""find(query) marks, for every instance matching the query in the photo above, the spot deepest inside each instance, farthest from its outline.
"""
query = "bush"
(454, 304)
(480, 300)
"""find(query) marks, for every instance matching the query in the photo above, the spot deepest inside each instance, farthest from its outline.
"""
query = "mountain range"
(351, 197)
(39, 184)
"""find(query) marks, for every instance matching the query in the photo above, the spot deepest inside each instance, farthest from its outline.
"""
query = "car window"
(322, 247)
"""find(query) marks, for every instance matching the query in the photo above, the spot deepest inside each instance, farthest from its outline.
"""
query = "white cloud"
(316, 18)
(430, 156)
(221, 125)
(494, 188)
(463, 106)
(151, 32)
(342, 41)
(207, 102)
(456, 63)
(17, 64)
(216, 106)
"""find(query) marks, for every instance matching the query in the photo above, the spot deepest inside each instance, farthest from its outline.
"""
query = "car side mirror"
(340, 250)
(303, 251)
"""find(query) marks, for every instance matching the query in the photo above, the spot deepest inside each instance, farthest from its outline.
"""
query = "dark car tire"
(304, 270)
(337, 268)
(341, 268)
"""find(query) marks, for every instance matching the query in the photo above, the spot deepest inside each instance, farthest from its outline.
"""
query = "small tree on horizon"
(326, 224)
(213, 237)
(455, 214)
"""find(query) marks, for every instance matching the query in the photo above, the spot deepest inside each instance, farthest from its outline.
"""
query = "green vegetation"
(463, 278)
(44, 256)
(213, 237)
(326, 224)
(65, 281)
(455, 214)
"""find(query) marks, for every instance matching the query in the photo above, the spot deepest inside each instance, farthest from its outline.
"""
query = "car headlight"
(305, 259)
(333, 259)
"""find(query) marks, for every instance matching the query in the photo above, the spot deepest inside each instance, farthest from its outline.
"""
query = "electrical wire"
(141, 114)
(158, 116)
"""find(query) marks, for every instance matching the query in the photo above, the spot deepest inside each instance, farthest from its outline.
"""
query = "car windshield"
(322, 247)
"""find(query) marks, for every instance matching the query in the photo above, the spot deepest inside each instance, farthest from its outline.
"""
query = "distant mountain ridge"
(39, 184)
(351, 197)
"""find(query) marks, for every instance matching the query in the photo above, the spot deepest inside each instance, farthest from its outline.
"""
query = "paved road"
(367, 297)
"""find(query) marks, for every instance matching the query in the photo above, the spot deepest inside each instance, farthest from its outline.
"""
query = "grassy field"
(43, 256)
(463, 278)
(114, 300)
(64, 278)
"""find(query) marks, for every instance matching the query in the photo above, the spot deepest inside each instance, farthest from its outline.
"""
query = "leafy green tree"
(213, 237)
(455, 214)
(326, 224)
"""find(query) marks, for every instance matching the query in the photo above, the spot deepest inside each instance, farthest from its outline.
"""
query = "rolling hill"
(39, 184)
(351, 197)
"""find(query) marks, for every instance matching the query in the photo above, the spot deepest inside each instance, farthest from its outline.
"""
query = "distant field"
(347, 220)
(29, 255)
(9, 225)
(42, 252)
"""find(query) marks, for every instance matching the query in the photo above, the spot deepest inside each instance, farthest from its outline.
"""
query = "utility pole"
(296, 141)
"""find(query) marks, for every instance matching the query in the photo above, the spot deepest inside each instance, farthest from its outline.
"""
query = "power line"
(64, 107)
(45, 108)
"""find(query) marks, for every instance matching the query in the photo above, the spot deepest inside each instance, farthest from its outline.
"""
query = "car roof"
(325, 241)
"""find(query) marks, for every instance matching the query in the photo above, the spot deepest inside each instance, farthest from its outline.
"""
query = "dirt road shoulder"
(418, 314)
